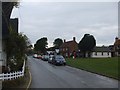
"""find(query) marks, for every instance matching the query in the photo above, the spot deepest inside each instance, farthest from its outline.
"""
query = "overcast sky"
(66, 20)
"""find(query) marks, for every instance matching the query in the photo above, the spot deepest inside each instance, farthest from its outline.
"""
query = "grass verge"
(103, 66)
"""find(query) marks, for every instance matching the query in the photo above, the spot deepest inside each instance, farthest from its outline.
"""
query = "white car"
(50, 59)
(35, 55)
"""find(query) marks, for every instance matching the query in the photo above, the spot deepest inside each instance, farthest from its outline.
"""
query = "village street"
(45, 75)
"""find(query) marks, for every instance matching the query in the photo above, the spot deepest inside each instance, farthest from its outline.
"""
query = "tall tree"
(57, 43)
(16, 45)
(86, 44)
(41, 45)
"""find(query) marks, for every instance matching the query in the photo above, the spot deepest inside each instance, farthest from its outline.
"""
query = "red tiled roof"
(117, 42)
(68, 43)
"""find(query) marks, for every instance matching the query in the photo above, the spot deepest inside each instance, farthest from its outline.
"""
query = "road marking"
(29, 80)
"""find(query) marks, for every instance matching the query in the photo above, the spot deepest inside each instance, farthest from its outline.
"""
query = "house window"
(119, 52)
(66, 49)
(117, 47)
(96, 53)
(66, 54)
(102, 53)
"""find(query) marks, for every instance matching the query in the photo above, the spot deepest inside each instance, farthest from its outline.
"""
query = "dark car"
(58, 60)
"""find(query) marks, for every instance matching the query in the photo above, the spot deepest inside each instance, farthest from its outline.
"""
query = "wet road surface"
(45, 75)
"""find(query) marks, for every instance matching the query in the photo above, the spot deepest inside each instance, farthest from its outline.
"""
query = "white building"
(101, 52)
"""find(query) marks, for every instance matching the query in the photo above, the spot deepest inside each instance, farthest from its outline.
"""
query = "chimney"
(64, 40)
(74, 39)
(116, 38)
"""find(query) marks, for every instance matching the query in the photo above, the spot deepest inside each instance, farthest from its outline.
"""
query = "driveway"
(45, 75)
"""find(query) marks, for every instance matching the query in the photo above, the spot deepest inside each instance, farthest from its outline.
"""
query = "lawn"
(103, 66)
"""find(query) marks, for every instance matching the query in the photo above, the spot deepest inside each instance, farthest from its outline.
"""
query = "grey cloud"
(66, 20)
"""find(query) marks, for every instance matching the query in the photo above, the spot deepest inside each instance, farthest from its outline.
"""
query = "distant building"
(116, 47)
(111, 51)
(101, 52)
(69, 47)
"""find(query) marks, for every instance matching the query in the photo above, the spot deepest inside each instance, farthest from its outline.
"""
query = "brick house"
(116, 47)
(69, 47)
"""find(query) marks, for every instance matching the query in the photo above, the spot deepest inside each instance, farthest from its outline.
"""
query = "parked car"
(35, 56)
(45, 57)
(39, 57)
(50, 59)
(58, 60)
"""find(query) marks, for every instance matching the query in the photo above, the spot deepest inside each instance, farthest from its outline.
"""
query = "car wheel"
(64, 64)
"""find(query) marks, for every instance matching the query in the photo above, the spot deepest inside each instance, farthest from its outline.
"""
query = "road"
(45, 75)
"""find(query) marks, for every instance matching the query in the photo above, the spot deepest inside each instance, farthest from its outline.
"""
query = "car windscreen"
(60, 58)
(47, 56)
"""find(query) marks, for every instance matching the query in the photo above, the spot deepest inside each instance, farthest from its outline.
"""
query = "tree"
(57, 43)
(87, 44)
(51, 48)
(16, 45)
(41, 45)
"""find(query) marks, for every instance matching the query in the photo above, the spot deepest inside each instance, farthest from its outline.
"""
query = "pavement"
(45, 75)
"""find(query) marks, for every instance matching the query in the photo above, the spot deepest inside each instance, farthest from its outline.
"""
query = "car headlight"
(58, 61)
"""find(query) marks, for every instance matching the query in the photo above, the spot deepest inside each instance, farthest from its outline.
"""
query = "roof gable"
(117, 42)
(69, 43)
(101, 49)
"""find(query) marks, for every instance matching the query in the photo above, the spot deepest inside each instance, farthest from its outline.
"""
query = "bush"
(16, 46)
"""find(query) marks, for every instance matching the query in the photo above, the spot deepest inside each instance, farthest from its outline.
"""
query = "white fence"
(13, 75)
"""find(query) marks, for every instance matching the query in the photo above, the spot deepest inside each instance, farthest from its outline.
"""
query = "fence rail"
(13, 75)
